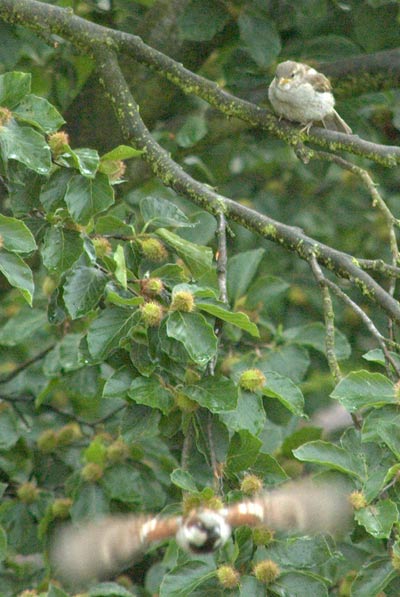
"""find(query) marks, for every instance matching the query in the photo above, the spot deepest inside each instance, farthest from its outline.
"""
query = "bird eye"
(292, 76)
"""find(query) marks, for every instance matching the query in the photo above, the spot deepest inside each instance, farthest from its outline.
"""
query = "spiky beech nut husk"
(266, 571)
(357, 500)
(151, 286)
(102, 246)
(153, 249)
(47, 441)
(183, 300)
(228, 577)
(92, 472)
(252, 379)
(118, 451)
(28, 492)
(58, 142)
(263, 536)
(192, 502)
(60, 507)
(5, 116)
(68, 434)
(184, 403)
(152, 313)
(251, 484)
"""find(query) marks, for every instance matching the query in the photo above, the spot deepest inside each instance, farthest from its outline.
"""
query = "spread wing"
(102, 548)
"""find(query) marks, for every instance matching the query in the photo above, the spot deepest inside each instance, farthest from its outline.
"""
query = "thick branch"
(174, 176)
(45, 18)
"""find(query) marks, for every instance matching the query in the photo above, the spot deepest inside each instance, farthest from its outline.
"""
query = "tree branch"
(87, 36)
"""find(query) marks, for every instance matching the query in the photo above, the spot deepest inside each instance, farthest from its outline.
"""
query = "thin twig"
(329, 316)
(26, 364)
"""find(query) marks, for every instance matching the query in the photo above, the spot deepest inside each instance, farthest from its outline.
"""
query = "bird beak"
(282, 81)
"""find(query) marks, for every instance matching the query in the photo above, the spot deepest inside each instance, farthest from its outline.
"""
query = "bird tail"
(334, 122)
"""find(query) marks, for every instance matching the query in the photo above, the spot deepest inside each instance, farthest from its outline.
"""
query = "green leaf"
(184, 579)
(301, 552)
(37, 111)
(23, 144)
(22, 326)
(183, 480)
(120, 482)
(243, 451)
(13, 87)
(83, 288)
(298, 438)
(109, 589)
(61, 248)
(238, 319)
(314, 334)
(249, 414)
(282, 388)
(216, 394)
(87, 161)
(379, 518)
(241, 271)
(55, 592)
(373, 578)
(96, 451)
(122, 152)
(8, 429)
(301, 584)
(202, 19)
(54, 189)
(267, 467)
(197, 258)
(118, 384)
(89, 502)
(120, 272)
(16, 236)
(151, 393)
(360, 389)
(195, 333)
(18, 274)
(328, 454)
(388, 431)
(160, 212)
(193, 130)
(123, 301)
(260, 36)
(106, 332)
(86, 197)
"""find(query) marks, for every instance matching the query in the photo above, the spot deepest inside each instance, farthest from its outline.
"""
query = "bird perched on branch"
(101, 548)
(301, 94)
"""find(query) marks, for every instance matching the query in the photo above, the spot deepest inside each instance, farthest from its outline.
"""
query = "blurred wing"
(303, 506)
(101, 548)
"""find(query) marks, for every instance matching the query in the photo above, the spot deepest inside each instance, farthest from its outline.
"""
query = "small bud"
(182, 300)
(263, 536)
(92, 472)
(357, 500)
(48, 286)
(5, 116)
(47, 441)
(252, 379)
(395, 557)
(228, 577)
(152, 313)
(69, 434)
(102, 246)
(27, 492)
(266, 571)
(59, 143)
(118, 451)
(153, 249)
(345, 584)
(151, 286)
(397, 391)
(60, 507)
(184, 403)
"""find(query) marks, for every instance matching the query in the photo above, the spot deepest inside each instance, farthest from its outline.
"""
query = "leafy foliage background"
(105, 409)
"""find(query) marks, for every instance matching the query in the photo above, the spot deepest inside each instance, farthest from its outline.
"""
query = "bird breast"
(300, 103)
